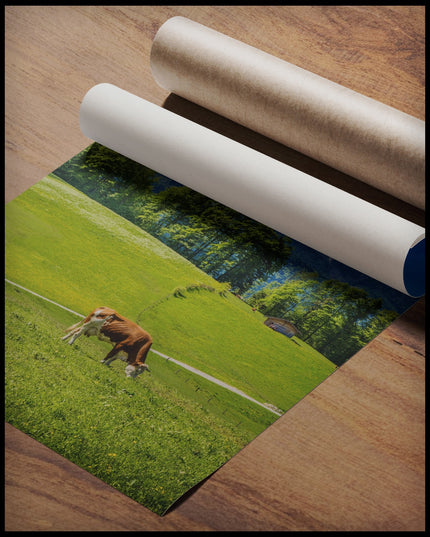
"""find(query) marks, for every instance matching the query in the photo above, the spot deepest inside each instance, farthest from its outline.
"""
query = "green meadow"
(158, 435)
(152, 438)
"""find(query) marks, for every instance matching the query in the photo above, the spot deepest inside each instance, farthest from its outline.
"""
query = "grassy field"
(152, 438)
(67, 247)
(231, 343)
(64, 246)
(57, 234)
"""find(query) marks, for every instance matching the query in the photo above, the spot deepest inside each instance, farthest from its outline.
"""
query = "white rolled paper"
(346, 228)
(332, 124)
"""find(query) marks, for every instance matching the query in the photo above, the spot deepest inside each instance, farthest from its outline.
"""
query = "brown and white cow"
(131, 342)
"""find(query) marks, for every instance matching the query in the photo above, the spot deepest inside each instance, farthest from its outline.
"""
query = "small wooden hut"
(282, 325)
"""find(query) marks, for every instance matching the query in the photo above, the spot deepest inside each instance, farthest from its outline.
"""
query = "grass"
(95, 257)
(229, 341)
(152, 438)
(69, 248)
(155, 437)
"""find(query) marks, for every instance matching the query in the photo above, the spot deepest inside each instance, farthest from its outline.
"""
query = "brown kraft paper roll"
(353, 133)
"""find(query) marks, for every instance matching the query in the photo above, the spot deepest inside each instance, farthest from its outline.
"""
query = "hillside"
(65, 246)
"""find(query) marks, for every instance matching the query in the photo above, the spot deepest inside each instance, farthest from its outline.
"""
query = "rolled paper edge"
(99, 115)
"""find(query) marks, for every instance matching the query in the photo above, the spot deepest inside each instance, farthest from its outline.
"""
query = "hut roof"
(282, 322)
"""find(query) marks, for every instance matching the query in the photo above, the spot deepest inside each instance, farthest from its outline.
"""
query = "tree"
(332, 316)
(225, 244)
(109, 178)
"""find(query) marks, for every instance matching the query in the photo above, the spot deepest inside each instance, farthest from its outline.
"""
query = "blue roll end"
(414, 270)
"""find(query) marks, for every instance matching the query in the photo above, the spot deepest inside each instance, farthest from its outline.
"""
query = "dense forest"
(334, 317)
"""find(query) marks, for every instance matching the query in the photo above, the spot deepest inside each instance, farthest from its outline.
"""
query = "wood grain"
(350, 455)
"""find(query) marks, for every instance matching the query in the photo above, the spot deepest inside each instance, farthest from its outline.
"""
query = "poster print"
(243, 323)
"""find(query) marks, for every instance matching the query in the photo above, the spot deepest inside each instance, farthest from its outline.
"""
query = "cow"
(131, 342)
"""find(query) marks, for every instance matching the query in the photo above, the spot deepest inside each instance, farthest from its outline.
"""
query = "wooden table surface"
(350, 455)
